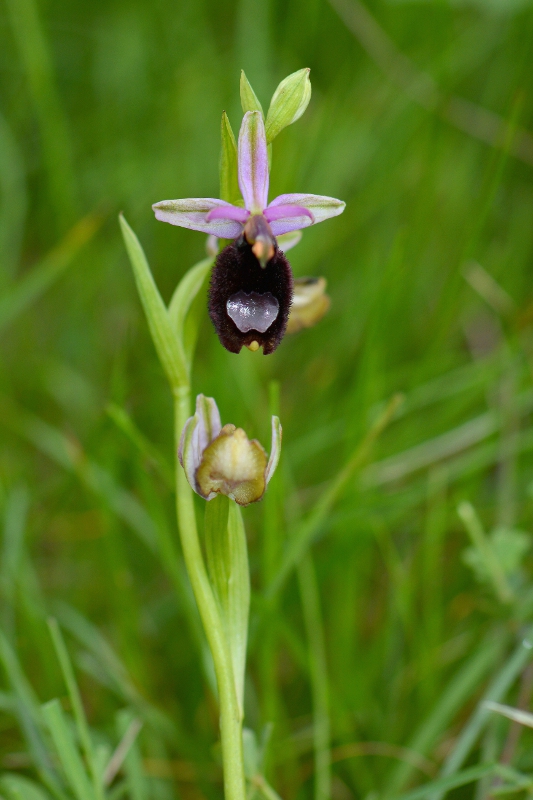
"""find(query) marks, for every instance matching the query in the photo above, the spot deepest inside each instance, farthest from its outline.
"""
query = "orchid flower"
(222, 460)
(309, 303)
(287, 212)
(251, 286)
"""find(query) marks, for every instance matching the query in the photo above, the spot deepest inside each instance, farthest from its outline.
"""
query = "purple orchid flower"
(251, 286)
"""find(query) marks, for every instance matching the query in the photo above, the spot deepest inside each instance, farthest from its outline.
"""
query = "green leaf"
(67, 751)
(16, 787)
(251, 753)
(229, 183)
(288, 103)
(183, 327)
(249, 100)
(487, 557)
(168, 347)
(227, 561)
(509, 547)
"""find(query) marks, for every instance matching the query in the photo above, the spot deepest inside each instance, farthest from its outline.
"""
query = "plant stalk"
(230, 714)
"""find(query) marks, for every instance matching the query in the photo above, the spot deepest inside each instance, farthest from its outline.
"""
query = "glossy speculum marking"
(244, 294)
(252, 312)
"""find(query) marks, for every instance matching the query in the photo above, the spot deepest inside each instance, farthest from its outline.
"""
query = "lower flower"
(222, 460)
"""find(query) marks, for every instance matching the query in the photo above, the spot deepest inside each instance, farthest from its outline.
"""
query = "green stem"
(230, 715)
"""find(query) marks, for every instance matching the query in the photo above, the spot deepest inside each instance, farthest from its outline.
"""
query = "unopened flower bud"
(288, 103)
(309, 303)
(222, 460)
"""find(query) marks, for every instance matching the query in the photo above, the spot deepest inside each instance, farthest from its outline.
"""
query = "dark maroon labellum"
(249, 304)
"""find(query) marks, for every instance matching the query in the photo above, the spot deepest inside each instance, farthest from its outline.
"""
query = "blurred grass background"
(419, 120)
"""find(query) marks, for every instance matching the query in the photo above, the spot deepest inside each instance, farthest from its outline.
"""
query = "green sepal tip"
(249, 99)
(229, 183)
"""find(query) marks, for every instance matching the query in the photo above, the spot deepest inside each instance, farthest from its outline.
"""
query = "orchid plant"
(252, 285)
(250, 303)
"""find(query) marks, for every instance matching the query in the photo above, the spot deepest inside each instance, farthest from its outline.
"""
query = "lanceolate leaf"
(227, 560)
(168, 347)
(181, 303)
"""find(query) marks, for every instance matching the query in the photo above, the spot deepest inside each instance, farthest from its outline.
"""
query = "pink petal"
(278, 212)
(198, 432)
(320, 206)
(192, 213)
(275, 449)
(228, 212)
(253, 162)
(287, 224)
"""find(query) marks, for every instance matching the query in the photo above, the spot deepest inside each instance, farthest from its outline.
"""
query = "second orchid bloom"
(251, 285)
(222, 460)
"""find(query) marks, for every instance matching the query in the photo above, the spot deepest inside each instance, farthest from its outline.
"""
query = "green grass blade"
(116, 673)
(67, 453)
(67, 751)
(77, 704)
(29, 713)
(445, 784)
(36, 58)
(495, 692)
(16, 787)
(319, 675)
(307, 530)
(484, 549)
(125, 423)
(133, 766)
(461, 687)
(13, 206)
(17, 298)
(15, 520)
